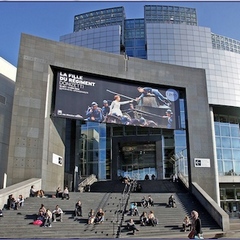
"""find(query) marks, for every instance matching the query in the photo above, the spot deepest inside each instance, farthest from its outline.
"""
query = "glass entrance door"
(138, 160)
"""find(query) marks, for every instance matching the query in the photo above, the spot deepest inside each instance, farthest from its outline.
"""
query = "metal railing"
(87, 182)
(128, 188)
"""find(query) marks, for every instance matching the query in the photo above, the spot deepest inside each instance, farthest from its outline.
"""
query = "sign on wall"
(88, 98)
(202, 162)
(56, 159)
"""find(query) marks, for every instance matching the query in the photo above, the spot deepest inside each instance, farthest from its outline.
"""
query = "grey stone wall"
(34, 136)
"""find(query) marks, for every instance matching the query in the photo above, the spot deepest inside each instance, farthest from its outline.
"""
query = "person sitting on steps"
(57, 212)
(133, 209)
(47, 219)
(150, 201)
(99, 218)
(152, 220)
(65, 193)
(144, 202)
(91, 216)
(58, 192)
(78, 208)
(131, 226)
(41, 212)
(171, 202)
(11, 202)
(186, 223)
(33, 191)
(144, 219)
(20, 201)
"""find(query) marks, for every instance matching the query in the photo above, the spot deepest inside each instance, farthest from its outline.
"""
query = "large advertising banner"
(81, 96)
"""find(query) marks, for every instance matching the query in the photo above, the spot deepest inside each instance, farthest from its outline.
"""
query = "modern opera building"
(174, 92)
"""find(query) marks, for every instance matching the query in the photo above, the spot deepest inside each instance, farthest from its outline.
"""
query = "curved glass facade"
(170, 14)
(225, 43)
(99, 18)
(191, 46)
(106, 39)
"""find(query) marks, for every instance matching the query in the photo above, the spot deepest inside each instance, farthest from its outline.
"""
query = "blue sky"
(50, 20)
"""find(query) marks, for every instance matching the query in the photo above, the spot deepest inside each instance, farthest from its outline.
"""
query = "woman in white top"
(115, 106)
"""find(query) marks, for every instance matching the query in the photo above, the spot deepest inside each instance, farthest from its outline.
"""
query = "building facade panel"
(114, 66)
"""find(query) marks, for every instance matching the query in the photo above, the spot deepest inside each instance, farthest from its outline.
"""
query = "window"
(230, 194)
(2, 99)
(228, 144)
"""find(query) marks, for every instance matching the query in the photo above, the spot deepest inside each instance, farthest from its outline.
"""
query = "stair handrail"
(184, 179)
(87, 181)
(124, 203)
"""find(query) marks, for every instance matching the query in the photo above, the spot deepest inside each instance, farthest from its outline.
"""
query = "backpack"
(38, 222)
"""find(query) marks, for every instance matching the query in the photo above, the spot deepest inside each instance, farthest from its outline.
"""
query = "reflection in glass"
(225, 131)
(228, 167)
(226, 142)
(237, 167)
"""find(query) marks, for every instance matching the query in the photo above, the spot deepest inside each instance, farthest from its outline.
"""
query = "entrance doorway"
(137, 159)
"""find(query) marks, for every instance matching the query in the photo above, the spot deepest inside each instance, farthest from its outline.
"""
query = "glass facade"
(191, 46)
(92, 150)
(180, 157)
(99, 18)
(229, 198)
(170, 14)
(225, 43)
(134, 38)
(227, 136)
(106, 39)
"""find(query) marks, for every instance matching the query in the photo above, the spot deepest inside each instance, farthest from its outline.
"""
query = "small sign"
(56, 159)
(202, 162)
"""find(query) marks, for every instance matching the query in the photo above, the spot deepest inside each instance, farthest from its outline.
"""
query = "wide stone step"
(18, 223)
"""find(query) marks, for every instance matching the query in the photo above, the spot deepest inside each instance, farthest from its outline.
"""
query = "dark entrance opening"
(137, 156)
(136, 160)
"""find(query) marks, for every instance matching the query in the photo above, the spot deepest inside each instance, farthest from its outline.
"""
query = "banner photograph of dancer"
(80, 96)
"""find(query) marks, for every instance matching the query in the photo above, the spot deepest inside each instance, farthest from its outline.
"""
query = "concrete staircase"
(18, 223)
(170, 219)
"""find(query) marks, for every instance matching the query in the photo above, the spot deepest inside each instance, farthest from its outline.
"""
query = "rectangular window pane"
(230, 194)
(225, 131)
(228, 168)
(226, 143)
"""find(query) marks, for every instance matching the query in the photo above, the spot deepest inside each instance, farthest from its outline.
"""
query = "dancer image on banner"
(94, 113)
(147, 91)
(135, 114)
(169, 118)
(105, 109)
(115, 106)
